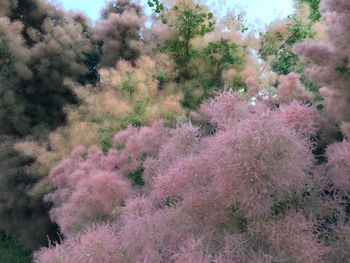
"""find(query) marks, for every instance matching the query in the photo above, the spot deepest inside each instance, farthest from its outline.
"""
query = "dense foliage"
(203, 198)
(180, 137)
(276, 44)
(11, 251)
(40, 46)
(330, 60)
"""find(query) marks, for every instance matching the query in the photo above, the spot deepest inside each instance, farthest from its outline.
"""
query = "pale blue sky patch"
(258, 12)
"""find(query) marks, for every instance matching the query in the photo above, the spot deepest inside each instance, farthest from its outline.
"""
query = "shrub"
(236, 194)
(329, 61)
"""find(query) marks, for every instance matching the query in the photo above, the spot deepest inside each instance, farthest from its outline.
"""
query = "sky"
(258, 12)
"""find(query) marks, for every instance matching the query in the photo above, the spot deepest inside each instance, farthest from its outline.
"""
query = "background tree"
(189, 20)
(41, 45)
(277, 43)
(222, 54)
(210, 54)
(315, 13)
(118, 32)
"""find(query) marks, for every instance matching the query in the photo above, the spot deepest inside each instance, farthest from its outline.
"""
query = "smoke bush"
(21, 217)
(338, 155)
(207, 197)
(241, 185)
(224, 109)
(345, 128)
(290, 89)
(301, 118)
(101, 242)
(88, 189)
(303, 247)
(105, 110)
(232, 177)
(41, 45)
(138, 143)
(119, 32)
(14, 68)
(329, 61)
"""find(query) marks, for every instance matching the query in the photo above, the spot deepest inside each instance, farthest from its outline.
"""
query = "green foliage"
(196, 94)
(222, 53)
(134, 117)
(278, 47)
(106, 134)
(136, 177)
(285, 62)
(190, 101)
(129, 86)
(208, 86)
(105, 138)
(344, 68)
(313, 88)
(131, 118)
(156, 5)
(140, 106)
(238, 83)
(189, 23)
(315, 14)
(193, 22)
(12, 252)
(91, 60)
(161, 77)
(219, 54)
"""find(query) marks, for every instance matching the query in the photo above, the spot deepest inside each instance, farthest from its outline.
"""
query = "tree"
(189, 20)
(41, 46)
(222, 53)
(118, 33)
(315, 13)
(277, 43)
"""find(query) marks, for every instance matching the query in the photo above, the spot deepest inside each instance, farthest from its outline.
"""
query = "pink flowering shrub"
(224, 109)
(247, 191)
(97, 245)
(88, 189)
(301, 118)
(230, 178)
(294, 238)
(248, 182)
(345, 128)
(339, 251)
(338, 166)
(329, 67)
(290, 89)
(137, 143)
(91, 186)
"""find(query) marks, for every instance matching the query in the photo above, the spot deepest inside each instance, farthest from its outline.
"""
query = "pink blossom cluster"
(88, 189)
(290, 89)
(236, 194)
(329, 67)
(338, 166)
(137, 143)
